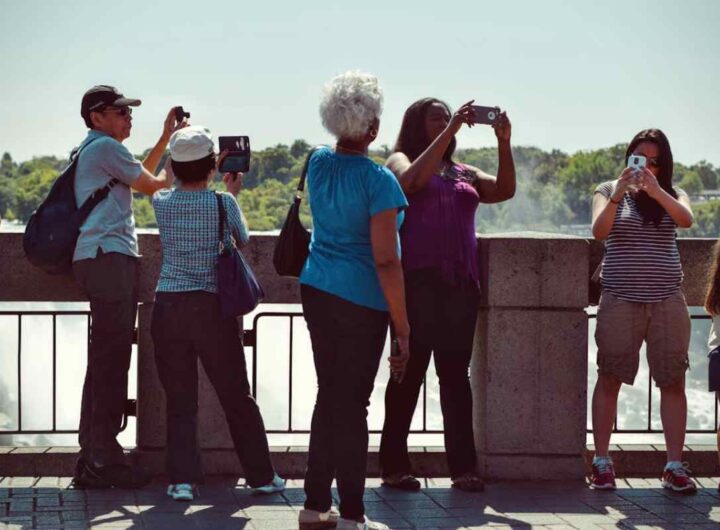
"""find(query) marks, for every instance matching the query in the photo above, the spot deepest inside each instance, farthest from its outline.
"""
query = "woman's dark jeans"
(347, 341)
(442, 321)
(185, 326)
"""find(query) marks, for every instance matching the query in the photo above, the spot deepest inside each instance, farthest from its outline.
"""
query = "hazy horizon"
(573, 76)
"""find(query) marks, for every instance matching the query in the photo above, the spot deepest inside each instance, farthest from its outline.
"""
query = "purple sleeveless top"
(439, 230)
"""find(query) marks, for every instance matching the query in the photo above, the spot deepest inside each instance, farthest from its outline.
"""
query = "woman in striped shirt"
(637, 215)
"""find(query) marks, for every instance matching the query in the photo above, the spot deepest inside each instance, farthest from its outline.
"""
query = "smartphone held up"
(636, 163)
(485, 115)
(237, 159)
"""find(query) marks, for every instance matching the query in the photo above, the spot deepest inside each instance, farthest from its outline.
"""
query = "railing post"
(529, 370)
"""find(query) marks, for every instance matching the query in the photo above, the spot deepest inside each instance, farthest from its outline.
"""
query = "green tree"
(707, 220)
(708, 175)
(299, 149)
(691, 182)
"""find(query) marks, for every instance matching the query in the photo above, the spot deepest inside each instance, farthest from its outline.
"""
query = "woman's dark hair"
(712, 297)
(194, 171)
(413, 138)
(650, 209)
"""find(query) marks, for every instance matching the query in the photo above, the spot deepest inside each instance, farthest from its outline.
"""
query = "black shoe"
(84, 479)
(114, 475)
(401, 481)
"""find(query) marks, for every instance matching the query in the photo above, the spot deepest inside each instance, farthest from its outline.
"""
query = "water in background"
(273, 373)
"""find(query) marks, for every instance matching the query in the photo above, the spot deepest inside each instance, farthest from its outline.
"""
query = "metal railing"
(251, 340)
(54, 429)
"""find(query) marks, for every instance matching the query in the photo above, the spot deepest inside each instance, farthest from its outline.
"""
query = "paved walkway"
(27, 502)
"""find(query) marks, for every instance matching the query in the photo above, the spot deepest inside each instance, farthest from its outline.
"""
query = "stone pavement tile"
(244, 497)
(436, 523)
(409, 504)
(271, 525)
(53, 501)
(123, 524)
(75, 516)
(46, 520)
(168, 521)
(685, 518)
(225, 523)
(419, 513)
(646, 524)
(536, 518)
(20, 506)
(585, 519)
(668, 508)
(22, 482)
(270, 512)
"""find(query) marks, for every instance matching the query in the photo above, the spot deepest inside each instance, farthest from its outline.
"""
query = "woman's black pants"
(442, 322)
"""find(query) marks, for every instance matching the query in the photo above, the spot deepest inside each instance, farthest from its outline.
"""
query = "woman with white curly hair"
(351, 283)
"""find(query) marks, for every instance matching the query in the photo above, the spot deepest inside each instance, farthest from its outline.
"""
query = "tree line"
(553, 194)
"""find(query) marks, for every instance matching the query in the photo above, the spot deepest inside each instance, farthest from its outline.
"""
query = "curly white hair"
(350, 103)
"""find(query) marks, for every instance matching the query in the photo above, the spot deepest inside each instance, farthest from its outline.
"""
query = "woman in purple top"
(439, 257)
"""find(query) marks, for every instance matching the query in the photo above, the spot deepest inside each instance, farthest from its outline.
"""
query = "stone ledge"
(290, 462)
(630, 461)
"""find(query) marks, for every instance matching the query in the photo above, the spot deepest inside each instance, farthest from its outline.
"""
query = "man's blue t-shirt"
(345, 192)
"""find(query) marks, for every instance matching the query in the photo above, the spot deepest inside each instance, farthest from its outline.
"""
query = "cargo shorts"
(623, 326)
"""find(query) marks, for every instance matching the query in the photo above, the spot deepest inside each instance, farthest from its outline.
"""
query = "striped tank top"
(642, 262)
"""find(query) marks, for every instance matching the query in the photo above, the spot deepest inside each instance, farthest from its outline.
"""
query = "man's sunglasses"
(120, 111)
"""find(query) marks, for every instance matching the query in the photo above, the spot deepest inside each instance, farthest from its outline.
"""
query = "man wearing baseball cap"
(105, 264)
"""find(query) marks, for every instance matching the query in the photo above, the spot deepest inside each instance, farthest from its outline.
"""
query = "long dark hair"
(650, 209)
(413, 139)
(712, 297)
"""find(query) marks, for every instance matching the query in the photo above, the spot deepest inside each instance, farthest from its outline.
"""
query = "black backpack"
(53, 229)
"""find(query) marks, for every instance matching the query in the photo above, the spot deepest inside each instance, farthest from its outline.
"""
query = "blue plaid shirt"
(188, 224)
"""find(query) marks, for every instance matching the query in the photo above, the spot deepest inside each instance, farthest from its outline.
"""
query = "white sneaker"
(349, 524)
(276, 485)
(180, 492)
(314, 520)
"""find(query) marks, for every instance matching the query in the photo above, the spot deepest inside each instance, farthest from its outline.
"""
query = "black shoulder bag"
(292, 247)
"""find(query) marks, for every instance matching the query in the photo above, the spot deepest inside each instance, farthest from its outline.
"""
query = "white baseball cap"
(191, 143)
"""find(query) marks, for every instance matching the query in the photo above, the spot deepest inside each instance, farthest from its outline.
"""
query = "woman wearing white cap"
(187, 322)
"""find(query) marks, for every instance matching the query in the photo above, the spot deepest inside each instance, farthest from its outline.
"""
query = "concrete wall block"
(531, 270)
(533, 370)
(526, 467)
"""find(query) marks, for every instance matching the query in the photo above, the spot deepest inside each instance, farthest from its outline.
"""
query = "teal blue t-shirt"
(345, 192)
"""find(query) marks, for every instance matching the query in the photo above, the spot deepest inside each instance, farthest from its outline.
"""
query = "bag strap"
(301, 184)
(221, 218)
(98, 195)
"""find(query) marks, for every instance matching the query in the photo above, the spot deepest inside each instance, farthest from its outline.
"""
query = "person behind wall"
(712, 306)
(350, 283)
(441, 280)
(105, 264)
(637, 216)
(187, 322)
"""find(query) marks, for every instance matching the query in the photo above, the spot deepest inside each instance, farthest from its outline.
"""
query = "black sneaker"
(115, 475)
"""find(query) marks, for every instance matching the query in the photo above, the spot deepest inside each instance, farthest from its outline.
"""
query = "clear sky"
(571, 74)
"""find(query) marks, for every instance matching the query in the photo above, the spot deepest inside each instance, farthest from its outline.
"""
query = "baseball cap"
(103, 95)
(191, 143)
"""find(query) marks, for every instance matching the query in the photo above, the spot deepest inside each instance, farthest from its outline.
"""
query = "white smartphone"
(637, 162)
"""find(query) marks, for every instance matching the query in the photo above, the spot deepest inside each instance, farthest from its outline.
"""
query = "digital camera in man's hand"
(180, 114)
(485, 115)
(237, 159)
